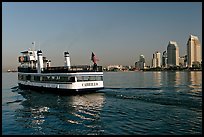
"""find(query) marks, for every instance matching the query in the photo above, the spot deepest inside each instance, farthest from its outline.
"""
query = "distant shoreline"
(146, 70)
(156, 71)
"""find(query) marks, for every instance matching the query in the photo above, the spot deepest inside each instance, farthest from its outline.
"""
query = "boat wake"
(168, 96)
(15, 101)
(16, 87)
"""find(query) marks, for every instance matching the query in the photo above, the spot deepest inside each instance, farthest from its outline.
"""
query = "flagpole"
(33, 45)
(33, 48)
(39, 45)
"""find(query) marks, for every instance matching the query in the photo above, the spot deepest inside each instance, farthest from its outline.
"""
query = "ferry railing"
(72, 69)
(63, 69)
(27, 70)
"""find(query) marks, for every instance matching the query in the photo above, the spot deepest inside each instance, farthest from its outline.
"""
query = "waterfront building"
(112, 67)
(172, 54)
(185, 60)
(156, 60)
(182, 61)
(193, 51)
(164, 59)
(137, 65)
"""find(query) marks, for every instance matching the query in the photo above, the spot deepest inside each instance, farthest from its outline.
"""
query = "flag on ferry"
(93, 58)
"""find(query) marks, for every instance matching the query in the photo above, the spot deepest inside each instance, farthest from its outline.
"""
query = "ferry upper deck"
(62, 69)
(32, 61)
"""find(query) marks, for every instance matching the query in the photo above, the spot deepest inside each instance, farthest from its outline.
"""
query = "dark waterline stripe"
(134, 88)
(143, 88)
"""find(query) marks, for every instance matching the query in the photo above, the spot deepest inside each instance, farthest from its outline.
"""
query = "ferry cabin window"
(28, 77)
(79, 78)
(20, 77)
(92, 78)
(32, 78)
(71, 79)
(58, 78)
(36, 78)
(63, 79)
(99, 78)
(46, 78)
(89, 78)
(95, 78)
(85, 78)
(24, 77)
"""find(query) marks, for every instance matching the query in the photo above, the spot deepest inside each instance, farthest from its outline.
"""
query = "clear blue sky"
(118, 33)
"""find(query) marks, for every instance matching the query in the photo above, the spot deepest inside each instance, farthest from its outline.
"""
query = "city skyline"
(118, 33)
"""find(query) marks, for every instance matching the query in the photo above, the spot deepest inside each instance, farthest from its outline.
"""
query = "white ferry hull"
(59, 90)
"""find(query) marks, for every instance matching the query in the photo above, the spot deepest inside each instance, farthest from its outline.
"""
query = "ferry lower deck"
(58, 90)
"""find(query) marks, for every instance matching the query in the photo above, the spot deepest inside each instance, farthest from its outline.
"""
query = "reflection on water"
(166, 78)
(157, 78)
(173, 78)
(38, 115)
(40, 111)
(191, 79)
(195, 81)
(177, 78)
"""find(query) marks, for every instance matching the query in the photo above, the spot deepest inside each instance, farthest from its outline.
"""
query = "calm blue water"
(133, 103)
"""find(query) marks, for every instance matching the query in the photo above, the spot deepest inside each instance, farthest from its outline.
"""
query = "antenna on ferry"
(33, 45)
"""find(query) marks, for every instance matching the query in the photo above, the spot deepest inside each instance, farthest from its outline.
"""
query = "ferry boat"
(36, 73)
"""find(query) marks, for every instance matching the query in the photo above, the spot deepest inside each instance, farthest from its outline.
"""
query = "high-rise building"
(141, 63)
(142, 58)
(156, 60)
(164, 59)
(193, 51)
(172, 54)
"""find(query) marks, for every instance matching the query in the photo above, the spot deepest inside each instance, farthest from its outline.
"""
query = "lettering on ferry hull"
(89, 84)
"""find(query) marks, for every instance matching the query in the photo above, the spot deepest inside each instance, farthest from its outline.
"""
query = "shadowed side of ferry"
(35, 73)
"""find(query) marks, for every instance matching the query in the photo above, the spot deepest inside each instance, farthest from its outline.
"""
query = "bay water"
(132, 103)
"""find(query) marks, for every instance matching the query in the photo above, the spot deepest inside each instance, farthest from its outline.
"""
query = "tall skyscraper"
(164, 59)
(156, 60)
(172, 54)
(193, 51)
